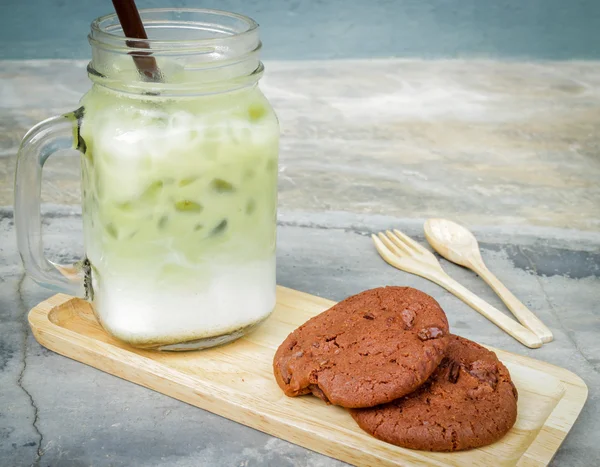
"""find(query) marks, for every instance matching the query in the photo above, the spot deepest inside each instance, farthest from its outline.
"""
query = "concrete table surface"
(509, 149)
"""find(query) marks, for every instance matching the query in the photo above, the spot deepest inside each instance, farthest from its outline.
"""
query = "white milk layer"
(140, 311)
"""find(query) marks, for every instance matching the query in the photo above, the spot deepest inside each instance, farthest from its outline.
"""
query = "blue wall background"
(324, 29)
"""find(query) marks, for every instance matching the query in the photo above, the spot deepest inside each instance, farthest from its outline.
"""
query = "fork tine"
(409, 241)
(399, 243)
(393, 249)
(386, 254)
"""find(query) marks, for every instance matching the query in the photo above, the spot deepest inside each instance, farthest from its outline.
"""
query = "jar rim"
(103, 30)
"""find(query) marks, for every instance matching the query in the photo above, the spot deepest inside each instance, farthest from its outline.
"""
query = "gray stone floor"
(509, 149)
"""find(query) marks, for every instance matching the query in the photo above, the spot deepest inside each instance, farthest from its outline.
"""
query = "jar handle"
(43, 140)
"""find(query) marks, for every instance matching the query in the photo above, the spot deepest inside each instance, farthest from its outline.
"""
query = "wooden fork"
(404, 253)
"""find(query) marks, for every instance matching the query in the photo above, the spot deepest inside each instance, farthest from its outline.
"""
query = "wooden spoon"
(457, 244)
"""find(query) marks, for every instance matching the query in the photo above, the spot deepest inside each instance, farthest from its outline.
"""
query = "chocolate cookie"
(368, 349)
(469, 401)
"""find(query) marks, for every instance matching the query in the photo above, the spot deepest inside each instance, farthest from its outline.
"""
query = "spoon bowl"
(457, 244)
(453, 241)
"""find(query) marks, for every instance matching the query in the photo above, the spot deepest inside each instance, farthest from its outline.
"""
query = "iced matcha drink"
(179, 154)
(179, 206)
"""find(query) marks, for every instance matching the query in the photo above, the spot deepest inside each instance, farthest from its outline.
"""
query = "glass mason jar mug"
(179, 182)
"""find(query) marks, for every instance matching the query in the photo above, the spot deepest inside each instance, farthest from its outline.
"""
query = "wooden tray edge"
(570, 406)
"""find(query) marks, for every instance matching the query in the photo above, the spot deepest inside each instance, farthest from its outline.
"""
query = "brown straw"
(132, 25)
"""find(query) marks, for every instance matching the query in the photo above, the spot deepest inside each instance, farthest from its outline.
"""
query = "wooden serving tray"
(236, 381)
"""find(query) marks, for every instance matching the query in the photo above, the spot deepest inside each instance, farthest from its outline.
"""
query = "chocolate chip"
(454, 372)
(485, 372)
(408, 316)
(369, 316)
(430, 333)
